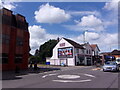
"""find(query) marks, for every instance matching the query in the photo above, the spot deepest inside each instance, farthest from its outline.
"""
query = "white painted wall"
(96, 50)
(88, 47)
(57, 61)
(55, 50)
(71, 61)
(52, 62)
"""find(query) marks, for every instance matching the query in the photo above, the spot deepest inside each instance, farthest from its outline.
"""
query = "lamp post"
(84, 38)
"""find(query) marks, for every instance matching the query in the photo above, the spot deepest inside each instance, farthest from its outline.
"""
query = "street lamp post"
(84, 38)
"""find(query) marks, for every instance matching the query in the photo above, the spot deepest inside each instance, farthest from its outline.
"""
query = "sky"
(50, 20)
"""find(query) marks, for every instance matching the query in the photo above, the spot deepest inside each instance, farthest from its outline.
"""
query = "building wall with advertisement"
(71, 53)
(62, 54)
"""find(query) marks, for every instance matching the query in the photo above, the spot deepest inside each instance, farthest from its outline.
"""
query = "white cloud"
(38, 36)
(50, 14)
(89, 22)
(105, 41)
(76, 13)
(111, 19)
(8, 4)
(113, 5)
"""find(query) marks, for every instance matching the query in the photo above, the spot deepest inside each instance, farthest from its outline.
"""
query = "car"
(118, 61)
(110, 66)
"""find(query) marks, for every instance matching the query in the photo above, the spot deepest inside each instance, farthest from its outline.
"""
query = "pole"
(84, 38)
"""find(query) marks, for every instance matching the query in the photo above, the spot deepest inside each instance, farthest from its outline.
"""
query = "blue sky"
(49, 20)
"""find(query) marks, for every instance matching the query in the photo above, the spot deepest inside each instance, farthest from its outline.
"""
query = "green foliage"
(34, 59)
(46, 49)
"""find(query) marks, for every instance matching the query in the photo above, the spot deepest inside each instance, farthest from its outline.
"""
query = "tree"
(46, 49)
(34, 59)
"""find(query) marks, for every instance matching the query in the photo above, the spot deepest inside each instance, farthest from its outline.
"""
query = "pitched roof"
(106, 53)
(94, 46)
(76, 45)
(115, 52)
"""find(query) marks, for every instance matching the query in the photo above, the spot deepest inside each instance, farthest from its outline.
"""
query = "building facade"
(116, 53)
(110, 56)
(88, 54)
(95, 53)
(70, 53)
(14, 37)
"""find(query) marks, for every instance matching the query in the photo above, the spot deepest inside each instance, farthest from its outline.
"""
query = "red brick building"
(14, 40)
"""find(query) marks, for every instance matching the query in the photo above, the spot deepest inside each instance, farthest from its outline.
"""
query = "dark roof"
(106, 53)
(76, 45)
(115, 52)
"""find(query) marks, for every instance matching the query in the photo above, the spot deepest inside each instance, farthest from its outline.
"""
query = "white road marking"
(68, 76)
(89, 75)
(49, 75)
(26, 75)
(67, 81)
(45, 72)
(44, 76)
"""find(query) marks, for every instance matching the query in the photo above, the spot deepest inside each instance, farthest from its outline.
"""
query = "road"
(70, 77)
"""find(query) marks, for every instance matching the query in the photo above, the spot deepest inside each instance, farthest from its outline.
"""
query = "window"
(18, 58)
(77, 50)
(6, 19)
(5, 39)
(22, 25)
(14, 23)
(96, 52)
(4, 57)
(89, 51)
(19, 41)
(83, 51)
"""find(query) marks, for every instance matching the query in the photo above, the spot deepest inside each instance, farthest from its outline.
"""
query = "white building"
(88, 54)
(95, 52)
(70, 53)
(95, 49)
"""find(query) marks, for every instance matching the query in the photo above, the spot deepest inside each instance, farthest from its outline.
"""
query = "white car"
(110, 66)
(118, 61)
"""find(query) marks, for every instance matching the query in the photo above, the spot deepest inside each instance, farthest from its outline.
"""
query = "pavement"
(65, 77)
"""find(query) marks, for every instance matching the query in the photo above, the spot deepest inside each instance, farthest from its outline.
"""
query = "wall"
(55, 60)
(13, 29)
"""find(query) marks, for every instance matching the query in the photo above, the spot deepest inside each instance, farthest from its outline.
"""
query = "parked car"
(110, 66)
(118, 61)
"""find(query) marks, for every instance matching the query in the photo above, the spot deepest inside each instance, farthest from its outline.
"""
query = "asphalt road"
(70, 77)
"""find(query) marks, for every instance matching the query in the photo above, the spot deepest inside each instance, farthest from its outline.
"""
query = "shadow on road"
(12, 75)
